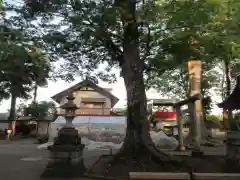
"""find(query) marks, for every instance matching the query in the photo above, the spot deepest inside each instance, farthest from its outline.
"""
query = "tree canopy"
(150, 41)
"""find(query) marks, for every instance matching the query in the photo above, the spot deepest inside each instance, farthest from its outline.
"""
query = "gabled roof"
(233, 100)
(86, 83)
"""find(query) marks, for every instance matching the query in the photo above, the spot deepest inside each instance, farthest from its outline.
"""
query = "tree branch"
(148, 47)
(105, 38)
(106, 41)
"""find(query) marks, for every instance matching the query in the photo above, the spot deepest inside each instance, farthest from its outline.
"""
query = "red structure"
(165, 115)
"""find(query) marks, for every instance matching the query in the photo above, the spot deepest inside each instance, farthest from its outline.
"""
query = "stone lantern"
(70, 108)
(232, 102)
(65, 159)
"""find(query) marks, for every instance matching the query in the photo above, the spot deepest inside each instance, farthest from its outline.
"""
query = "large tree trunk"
(35, 93)
(138, 141)
(226, 113)
(12, 112)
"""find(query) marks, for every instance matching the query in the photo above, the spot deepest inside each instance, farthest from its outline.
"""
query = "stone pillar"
(66, 154)
(195, 72)
(233, 152)
(180, 128)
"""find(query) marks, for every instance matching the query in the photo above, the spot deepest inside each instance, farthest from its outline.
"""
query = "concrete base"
(66, 156)
(64, 169)
(231, 166)
(197, 153)
(65, 161)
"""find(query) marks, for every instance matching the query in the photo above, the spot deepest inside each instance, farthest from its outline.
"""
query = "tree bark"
(35, 93)
(12, 112)
(226, 113)
(138, 141)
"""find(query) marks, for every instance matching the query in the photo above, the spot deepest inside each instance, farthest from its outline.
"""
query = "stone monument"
(66, 154)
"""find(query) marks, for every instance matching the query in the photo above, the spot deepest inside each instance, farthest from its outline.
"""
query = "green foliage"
(41, 67)
(15, 72)
(214, 124)
(214, 121)
(89, 35)
(214, 117)
(207, 31)
(41, 110)
(42, 139)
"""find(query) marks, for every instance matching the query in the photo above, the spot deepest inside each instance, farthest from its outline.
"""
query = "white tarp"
(91, 124)
(94, 120)
(99, 124)
(160, 139)
(163, 141)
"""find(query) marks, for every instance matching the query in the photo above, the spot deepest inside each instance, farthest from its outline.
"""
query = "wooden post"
(195, 125)
(180, 128)
(195, 70)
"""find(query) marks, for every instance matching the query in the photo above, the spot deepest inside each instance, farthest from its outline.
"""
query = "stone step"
(216, 176)
(159, 176)
(233, 135)
(182, 176)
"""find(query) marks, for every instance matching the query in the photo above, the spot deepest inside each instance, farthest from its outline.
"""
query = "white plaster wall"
(43, 128)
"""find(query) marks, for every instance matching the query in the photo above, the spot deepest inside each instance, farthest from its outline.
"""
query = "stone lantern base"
(233, 152)
(65, 158)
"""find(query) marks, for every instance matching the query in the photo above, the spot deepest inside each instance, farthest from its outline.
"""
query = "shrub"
(42, 139)
(214, 117)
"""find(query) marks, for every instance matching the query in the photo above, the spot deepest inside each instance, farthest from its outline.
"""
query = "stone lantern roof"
(233, 100)
(70, 104)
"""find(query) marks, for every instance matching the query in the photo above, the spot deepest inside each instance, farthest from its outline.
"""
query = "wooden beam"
(191, 99)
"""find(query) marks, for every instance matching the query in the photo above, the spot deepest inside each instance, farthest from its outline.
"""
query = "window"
(93, 105)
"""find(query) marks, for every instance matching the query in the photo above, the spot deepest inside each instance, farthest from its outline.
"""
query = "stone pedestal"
(233, 151)
(65, 158)
(197, 153)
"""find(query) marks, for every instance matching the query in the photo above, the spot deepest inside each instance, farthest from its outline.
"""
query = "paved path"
(24, 161)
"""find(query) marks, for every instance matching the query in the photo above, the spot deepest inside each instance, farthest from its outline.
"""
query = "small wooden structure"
(232, 102)
(163, 115)
(191, 106)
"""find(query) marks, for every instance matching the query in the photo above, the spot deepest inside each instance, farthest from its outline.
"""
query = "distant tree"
(20, 110)
(20, 68)
(15, 76)
(41, 69)
(143, 38)
(41, 110)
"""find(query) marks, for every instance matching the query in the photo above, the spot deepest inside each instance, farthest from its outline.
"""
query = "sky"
(118, 89)
(45, 94)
